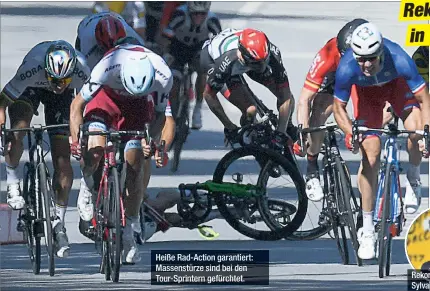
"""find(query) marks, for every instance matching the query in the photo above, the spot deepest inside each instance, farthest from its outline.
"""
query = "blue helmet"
(137, 74)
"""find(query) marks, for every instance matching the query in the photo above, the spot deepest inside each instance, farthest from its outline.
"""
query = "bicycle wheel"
(238, 212)
(182, 130)
(350, 205)
(114, 224)
(48, 217)
(281, 163)
(31, 233)
(313, 227)
(341, 241)
(384, 233)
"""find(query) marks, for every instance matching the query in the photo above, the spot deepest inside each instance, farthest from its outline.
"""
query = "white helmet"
(367, 40)
(137, 74)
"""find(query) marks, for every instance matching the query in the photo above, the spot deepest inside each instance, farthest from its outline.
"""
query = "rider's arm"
(76, 116)
(286, 105)
(215, 106)
(168, 33)
(168, 132)
(342, 93)
(303, 109)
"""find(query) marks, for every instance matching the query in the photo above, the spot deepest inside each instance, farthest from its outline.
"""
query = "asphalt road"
(299, 30)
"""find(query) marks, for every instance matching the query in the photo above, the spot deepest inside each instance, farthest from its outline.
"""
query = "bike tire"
(46, 196)
(295, 175)
(341, 242)
(182, 125)
(383, 235)
(348, 197)
(30, 236)
(115, 225)
(324, 215)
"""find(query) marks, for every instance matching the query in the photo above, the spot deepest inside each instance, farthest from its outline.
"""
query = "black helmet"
(344, 35)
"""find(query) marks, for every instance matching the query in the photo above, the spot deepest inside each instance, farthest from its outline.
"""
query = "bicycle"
(388, 211)
(109, 217)
(182, 118)
(339, 204)
(246, 199)
(35, 219)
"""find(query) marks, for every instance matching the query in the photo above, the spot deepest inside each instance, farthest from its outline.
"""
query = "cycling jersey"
(106, 75)
(132, 11)
(226, 64)
(32, 72)
(182, 29)
(323, 68)
(86, 41)
(421, 59)
(395, 63)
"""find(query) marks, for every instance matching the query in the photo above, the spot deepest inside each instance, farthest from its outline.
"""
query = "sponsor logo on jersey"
(224, 64)
(162, 75)
(81, 74)
(112, 67)
(30, 73)
(42, 83)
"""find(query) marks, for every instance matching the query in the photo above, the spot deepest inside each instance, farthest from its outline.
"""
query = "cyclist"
(49, 73)
(154, 14)
(132, 11)
(421, 58)
(381, 71)
(191, 25)
(119, 95)
(235, 52)
(98, 33)
(317, 93)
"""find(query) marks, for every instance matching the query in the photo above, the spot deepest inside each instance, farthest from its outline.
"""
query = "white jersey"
(86, 41)
(226, 40)
(182, 28)
(107, 73)
(132, 11)
(32, 72)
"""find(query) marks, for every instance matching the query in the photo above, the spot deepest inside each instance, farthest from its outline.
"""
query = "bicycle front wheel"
(48, 216)
(350, 206)
(114, 224)
(182, 130)
(384, 236)
(27, 216)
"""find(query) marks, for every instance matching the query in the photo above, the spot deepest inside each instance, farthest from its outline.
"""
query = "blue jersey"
(396, 63)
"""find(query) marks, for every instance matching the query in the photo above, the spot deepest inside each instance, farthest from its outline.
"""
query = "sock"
(312, 165)
(413, 173)
(12, 175)
(368, 221)
(61, 212)
(88, 181)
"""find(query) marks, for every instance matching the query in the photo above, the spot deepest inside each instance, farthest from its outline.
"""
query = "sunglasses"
(361, 59)
(59, 82)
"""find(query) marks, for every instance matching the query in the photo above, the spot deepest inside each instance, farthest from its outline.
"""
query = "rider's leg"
(57, 111)
(408, 110)
(197, 114)
(20, 114)
(322, 108)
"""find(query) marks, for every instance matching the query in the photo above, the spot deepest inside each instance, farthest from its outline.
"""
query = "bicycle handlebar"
(34, 128)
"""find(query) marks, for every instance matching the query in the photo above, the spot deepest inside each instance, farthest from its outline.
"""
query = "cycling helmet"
(137, 75)
(367, 41)
(254, 47)
(109, 30)
(60, 60)
(199, 6)
(344, 36)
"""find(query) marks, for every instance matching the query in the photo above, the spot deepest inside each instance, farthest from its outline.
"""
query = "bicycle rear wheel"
(48, 218)
(114, 224)
(182, 130)
(289, 169)
(30, 229)
(350, 206)
(384, 235)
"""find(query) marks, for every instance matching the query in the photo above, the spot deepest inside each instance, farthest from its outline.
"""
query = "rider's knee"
(371, 151)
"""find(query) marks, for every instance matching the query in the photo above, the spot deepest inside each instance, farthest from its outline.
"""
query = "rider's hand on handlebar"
(351, 145)
(159, 162)
(422, 148)
(146, 148)
(300, 150)
(230, 134)
(75, 149)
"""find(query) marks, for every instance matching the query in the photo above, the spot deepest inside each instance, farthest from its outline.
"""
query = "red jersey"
(325, 62)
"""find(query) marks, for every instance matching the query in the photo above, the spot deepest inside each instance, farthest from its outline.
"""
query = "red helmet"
(254, 47)
(109, 30)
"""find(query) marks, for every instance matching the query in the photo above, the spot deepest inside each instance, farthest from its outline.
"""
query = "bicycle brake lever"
(161, 149)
